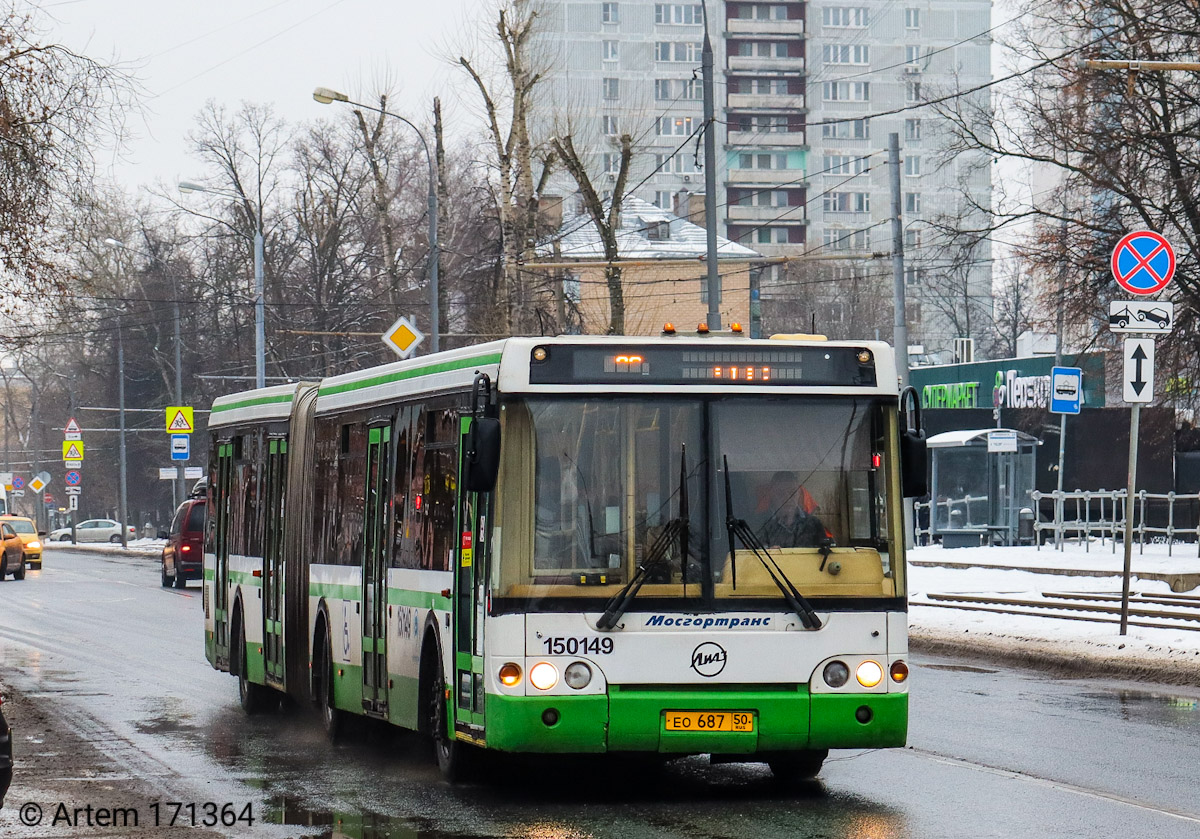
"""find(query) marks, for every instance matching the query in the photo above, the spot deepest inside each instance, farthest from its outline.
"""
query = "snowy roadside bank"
(145, 548)
(1169, 655)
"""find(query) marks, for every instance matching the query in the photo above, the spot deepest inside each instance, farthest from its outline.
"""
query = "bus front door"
(469, 604)
(273, 563)
(220, 583)
(375, 568)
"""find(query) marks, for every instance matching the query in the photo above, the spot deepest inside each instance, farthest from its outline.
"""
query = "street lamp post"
(327, 96)
(260, 330)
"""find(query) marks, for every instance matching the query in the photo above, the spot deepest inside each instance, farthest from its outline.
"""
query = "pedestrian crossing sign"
(72, 450)
(179, 420)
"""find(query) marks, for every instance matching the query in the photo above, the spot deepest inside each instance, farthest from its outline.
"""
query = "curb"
(103, 550)
(1163, 666)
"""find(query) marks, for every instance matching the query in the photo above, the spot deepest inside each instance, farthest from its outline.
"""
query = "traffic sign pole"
(1130, 484)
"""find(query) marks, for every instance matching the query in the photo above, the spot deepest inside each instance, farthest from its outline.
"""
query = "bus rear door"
(469, 602)
(273, 563)
(220, 584)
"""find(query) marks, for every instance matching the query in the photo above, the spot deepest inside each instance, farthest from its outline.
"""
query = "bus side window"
(325, 494)
(402, 485)
(352, 474)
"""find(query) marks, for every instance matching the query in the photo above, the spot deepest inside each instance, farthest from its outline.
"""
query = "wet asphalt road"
(994, 751)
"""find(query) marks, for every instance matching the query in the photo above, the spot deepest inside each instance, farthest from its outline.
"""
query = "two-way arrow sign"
(1139, 370)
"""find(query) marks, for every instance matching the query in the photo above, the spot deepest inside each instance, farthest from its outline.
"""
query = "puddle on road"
(285, 810)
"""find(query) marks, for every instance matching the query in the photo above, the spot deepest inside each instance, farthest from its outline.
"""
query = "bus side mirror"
(914, 471)
(914, 475)
(482, 460)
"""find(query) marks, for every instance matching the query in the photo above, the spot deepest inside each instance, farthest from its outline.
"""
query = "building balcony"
(768, 101)
(792, 178)
(765, 64)
(776, 215)
(790, 140)
(746, 26)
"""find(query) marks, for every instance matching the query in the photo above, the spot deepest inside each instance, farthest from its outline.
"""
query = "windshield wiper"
(655, 557)
(737, 528)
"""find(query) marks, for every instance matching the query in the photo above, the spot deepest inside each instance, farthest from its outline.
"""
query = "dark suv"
(183, 557)
(6, 757)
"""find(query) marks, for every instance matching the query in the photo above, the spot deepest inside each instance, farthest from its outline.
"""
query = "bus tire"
(455, 758)
(251, 696)
(798, 766)
(331, 717)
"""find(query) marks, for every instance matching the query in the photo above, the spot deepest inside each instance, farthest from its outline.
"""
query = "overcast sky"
(184, 52)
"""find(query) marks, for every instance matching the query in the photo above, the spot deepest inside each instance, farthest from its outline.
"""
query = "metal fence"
(1099, 515)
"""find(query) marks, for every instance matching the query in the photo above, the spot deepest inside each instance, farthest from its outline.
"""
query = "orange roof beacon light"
(668, 328)
(702, 329)
(735, 328)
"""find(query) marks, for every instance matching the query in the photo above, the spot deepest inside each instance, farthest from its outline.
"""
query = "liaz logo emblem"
(708, 659)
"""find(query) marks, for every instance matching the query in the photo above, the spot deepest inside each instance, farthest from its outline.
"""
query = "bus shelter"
(981, 479)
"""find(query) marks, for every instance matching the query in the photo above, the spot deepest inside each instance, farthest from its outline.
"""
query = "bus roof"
(509, 362)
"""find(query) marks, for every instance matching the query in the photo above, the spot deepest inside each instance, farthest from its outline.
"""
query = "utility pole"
(123, 504)
(260, 329)
(178, 491)
(710, 181)
(899, 319)
(1059, 506)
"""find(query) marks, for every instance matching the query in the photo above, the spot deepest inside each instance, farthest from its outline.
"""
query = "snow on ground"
(1164, 654)
(141, 546)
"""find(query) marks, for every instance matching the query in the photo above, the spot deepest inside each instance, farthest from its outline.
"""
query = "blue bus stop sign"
(1066, 390)
(180, 448)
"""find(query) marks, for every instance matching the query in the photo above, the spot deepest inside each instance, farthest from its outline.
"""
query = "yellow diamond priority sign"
(403, 337)
(179, 420)
(72, 450)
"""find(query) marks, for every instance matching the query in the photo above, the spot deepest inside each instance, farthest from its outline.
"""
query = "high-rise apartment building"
(806, 96)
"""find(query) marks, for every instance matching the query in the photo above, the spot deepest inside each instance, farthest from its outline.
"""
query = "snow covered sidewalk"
(1170, 654)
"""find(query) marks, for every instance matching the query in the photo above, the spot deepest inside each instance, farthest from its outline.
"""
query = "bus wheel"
(251, 696)
(331, 717)
(455, 758)
(797, 766)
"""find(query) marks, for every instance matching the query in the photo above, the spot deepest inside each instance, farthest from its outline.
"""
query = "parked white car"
(93, 530)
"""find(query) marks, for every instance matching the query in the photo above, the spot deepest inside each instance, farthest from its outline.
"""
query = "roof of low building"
(640, 237)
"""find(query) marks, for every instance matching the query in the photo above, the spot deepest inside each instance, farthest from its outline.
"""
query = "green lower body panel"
(256, 665)
(348, 688)
(635, 721)
(836, 726)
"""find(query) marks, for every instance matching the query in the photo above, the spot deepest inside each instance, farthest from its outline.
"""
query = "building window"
(664, 200)
(683, 163)
(612, 162)
(662, 89)
(612, 88)
(850, 129)
(912, 129)
(674, 126)
(749, 11)
(912, 91)
(610, 51)
(912, 238)
(609, 125)
(762, 161)
(609, 13)
(844, 164)
(846, 91)
(677, 51)
(912, 18)
(846, 54)
(839, 239)
(912, 55)
(912, 202)
(912, 165)
(687, 14)
(913, 275)
(845, 17)
(846, 202)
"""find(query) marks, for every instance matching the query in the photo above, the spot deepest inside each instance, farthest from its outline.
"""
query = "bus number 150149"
(578, 646)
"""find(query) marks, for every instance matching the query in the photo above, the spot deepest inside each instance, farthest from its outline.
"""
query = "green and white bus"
(675, 545)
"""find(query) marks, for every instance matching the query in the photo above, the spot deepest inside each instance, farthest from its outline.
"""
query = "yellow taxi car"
(30, 538)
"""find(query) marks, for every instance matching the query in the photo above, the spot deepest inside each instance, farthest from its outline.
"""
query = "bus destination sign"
(786, 366)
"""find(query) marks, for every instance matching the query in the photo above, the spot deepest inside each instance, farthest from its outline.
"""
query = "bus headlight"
(836, 674)
(543, 675)
(510, 675)
(578, 675)
(899, 671)
(869, 673)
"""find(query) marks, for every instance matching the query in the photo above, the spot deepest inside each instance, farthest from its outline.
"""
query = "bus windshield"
(592, 488)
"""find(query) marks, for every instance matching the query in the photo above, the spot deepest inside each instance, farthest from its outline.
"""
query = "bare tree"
(56, 107)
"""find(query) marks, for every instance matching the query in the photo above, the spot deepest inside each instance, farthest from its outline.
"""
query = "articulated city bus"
(675, 545)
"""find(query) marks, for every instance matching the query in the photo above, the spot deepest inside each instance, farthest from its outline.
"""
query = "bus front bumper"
(635, 721)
